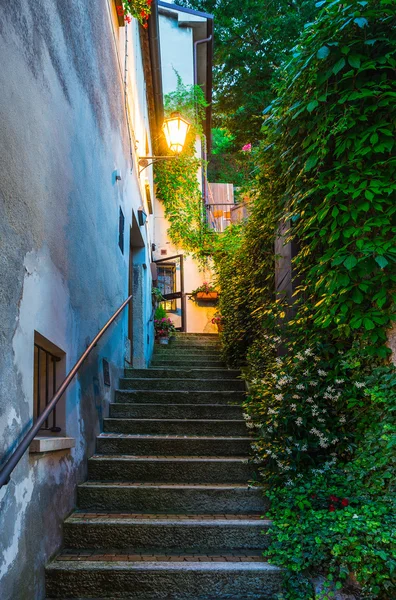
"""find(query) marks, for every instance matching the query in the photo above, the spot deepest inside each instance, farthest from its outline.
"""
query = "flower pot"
(164, 340)
(207, 295)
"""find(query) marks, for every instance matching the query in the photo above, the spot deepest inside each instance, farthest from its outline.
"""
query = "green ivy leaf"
(350, 262)
(381, 261)
(361, 22)
(354, 61)
(323, 52)
(338, 66)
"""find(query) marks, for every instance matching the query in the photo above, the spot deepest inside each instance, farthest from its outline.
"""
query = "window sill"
(42, 444)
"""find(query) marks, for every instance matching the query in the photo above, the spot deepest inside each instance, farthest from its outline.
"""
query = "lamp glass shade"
(175, 130)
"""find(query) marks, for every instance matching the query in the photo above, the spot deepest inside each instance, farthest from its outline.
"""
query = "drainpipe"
(204, 151)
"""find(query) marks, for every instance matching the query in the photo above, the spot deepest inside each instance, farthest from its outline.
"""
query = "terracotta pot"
(207, 295)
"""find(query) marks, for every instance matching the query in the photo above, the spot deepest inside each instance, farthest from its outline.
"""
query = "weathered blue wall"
(62, 135)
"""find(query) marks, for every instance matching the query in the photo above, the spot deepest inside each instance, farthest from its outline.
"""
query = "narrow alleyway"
(167, 511)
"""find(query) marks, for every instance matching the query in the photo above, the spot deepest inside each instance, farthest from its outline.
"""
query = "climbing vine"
(177, 181)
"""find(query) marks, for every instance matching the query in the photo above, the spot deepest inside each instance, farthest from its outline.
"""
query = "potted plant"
(163, 326)
(156, 296)
(218, 320)
(206, 291)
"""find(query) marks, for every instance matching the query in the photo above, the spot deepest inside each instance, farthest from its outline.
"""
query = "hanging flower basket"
(205, 292)
(207, 295)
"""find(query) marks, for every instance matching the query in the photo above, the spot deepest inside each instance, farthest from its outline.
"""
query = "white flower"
(289, 482)
(296, 397)
(306, 372)
(308, 352)
(299, 356)
(279, 361)
(293, 407)
(313, 383)
(342, 420)
(271, 411)
(335, 441)
(288, 450)
(359, 384)
(257, 425)
(355, 517)
(310, 400)
(304, 448)
(279, 397)
(339, 381)
(246, 417)
(300, 386)
(322, 373)
(299, 421)
(321, 421)
(250, 425)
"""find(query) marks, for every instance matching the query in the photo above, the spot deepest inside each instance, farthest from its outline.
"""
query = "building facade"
(73, 111)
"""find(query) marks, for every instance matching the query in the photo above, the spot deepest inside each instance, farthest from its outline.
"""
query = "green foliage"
(327, 167)
(333, 125)
(342, 520)
(177, 180)
(251, 38)
(160, 312)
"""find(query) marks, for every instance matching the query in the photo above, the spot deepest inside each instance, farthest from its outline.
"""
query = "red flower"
(120, 10)
(331, 508)
(313, 496)
(128, 19)
(334, 498)
(149, 2)
(344, 502)
(143, 14)
(145, 25)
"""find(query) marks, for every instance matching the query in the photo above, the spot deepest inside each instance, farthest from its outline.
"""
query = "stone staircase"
(167, 511)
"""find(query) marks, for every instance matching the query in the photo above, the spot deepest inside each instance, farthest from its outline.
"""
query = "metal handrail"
(14, 459)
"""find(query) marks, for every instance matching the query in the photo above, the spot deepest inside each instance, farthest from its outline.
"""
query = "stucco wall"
(62, 136)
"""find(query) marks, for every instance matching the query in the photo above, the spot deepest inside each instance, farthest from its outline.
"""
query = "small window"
(121, 227)
(49, 371)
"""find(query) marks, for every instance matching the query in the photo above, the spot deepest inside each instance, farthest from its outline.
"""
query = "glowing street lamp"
(175, 130)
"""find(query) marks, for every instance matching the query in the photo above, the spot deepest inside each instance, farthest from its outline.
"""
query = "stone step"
(184, 578)
(199, 363)
(182, 384)
(180, 397)
(171, 469)
(174, 498)
(179, 373)
(136, 534)
(172, 445)
(186, 351)
(193, 336)
(176, 427)
(175, 411)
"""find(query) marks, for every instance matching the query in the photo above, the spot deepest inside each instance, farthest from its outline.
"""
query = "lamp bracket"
(146, 161)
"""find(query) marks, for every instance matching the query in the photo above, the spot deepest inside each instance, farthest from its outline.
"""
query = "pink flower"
(247, 148)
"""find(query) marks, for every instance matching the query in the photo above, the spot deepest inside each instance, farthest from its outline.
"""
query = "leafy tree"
(252, 38)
